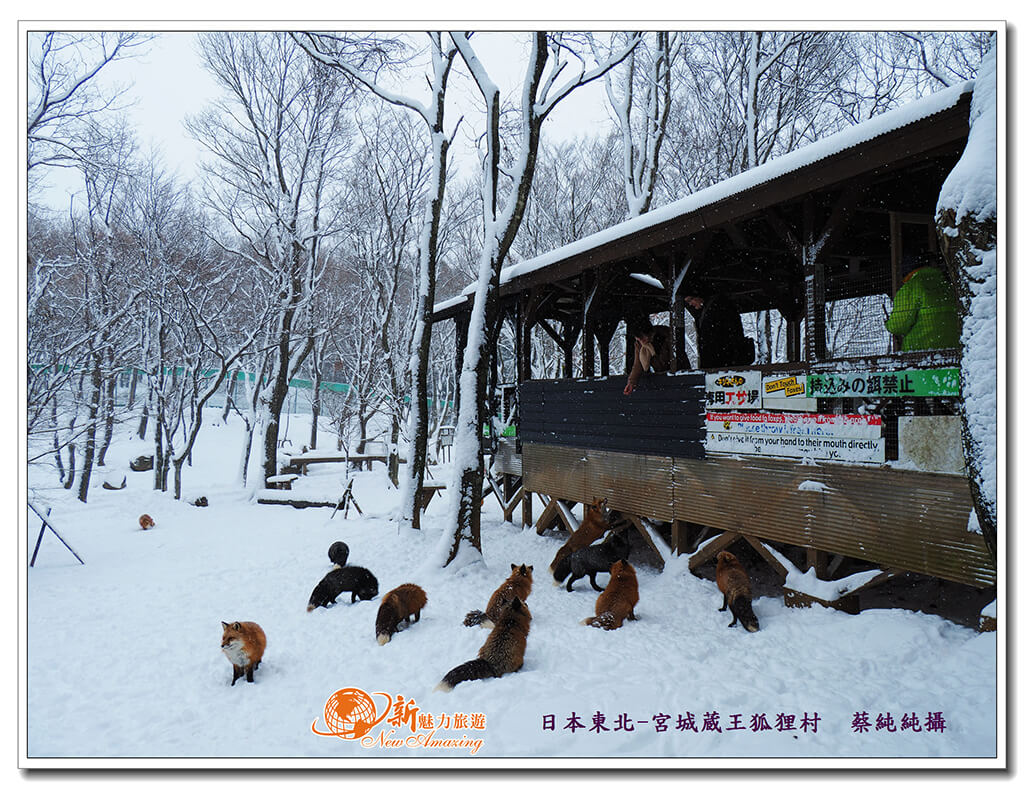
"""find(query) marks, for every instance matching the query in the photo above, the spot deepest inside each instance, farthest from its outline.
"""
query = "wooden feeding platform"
(839, 447)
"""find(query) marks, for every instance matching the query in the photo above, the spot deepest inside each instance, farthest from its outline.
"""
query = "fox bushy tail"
(744, 612)
(472, 669)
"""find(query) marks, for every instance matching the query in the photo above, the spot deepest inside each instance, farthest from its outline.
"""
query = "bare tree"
(277, 144)
(432, 111)
(65, 99)
(546, 83)
(641, 107)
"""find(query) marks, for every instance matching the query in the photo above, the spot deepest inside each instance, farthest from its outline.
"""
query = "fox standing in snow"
(734, 584)
(502, 652)
(243, 644)
(146, 522)
(517, 585)
(594, 559)
(357, 580)
(595, 524)
(618, 599)
(399, 605)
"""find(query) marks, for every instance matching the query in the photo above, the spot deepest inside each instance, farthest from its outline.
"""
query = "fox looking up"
(243, 643)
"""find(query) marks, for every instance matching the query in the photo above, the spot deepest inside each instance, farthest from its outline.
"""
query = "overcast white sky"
(169, 83)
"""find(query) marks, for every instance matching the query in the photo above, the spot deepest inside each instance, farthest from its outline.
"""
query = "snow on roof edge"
(801, 157)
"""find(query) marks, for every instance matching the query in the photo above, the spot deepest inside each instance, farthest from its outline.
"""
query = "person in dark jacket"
(720, 338)
(924, 312)
(652, 350)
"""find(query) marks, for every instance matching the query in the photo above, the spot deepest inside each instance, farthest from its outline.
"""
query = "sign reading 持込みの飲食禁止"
(851, 438)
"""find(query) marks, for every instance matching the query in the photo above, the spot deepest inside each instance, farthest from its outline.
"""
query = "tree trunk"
(108, 408)
(57, 451)
(964, 244)
(318, 379)
(70, 481)
(143, 422)
(396, 432)
(229, 397)
(90, 434)
(132, 386)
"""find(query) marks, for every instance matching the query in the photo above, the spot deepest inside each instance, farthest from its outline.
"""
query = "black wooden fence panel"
(663, 416)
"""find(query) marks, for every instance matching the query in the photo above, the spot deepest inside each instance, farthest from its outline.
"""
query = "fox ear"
(226, 625)
(516, 604)
(514, 566)
(237, 625)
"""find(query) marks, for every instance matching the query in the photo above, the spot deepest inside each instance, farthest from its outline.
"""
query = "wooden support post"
(527, 508)
(677, 532)
(642, 528)
(793, 340)
(848, 601)
(719, 543)
(767, 555)
(816, 559)
(590, 287)
(604, 333)
(548, 514)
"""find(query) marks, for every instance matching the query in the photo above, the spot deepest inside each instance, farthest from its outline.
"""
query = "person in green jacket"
(924, 312)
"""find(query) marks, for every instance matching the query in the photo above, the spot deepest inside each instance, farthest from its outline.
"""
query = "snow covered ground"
(123, 655)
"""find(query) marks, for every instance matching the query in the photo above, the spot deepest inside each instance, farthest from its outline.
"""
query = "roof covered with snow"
(802, 157)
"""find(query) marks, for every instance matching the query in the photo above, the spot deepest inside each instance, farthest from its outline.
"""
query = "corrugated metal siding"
(909, 520)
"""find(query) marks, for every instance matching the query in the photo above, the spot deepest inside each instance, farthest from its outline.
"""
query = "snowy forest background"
(332, 213)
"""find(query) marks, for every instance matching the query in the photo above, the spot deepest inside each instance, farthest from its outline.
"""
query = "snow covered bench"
(281, 481)
(372, 450)
(430, 489)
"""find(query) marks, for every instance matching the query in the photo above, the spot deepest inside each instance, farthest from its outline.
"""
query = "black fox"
(594, 525)
(598, 558)
(357, 580)
(338, 553)
(501, 653)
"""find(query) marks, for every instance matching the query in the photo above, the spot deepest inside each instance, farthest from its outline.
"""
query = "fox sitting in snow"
(338, 553)
(517, 585)
(243, 644)
(502, 652)
(618, 599)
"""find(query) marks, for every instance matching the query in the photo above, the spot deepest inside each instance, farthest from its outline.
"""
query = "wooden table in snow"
(297, 464)
(430, 488)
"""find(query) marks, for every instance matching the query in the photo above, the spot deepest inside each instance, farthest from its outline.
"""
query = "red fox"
(146, 522)
(399, 605)
(734, 584)
(502, 652)
(595, 524)
(518, 584)
(243, 644)
(618, 599)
